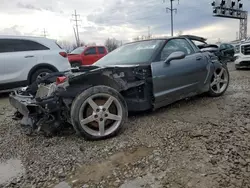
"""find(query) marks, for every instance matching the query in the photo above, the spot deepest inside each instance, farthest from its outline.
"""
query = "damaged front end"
(39, 107)
(45, 106)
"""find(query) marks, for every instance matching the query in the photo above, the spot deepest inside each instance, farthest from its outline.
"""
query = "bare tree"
(180, 33)
(82, 44)
(66, 45)
(136, 38)
(91, 44)
(111, 44)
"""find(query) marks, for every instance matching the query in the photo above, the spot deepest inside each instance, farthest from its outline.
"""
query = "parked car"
(228, 50)
(86, 55)
(242, 55)
(225, 52)
(138, 76)
(24, 59)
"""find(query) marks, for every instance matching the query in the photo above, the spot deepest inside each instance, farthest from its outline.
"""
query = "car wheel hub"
(100, 114)
(219, 80)
(42, 74)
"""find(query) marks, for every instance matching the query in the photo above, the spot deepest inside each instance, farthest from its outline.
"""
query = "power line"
(76, 20)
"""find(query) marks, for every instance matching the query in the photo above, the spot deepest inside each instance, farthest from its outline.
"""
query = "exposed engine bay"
(45, 105)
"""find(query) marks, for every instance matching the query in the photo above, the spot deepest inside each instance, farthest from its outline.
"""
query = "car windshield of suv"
(138, 52)
(78, 50)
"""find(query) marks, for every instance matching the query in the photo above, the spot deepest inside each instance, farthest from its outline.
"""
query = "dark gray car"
(137, 76)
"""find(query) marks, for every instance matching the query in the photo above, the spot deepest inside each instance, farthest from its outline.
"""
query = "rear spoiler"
(193, 37)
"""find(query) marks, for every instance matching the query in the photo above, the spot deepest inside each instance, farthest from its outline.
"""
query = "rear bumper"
(24, 104)
(243, 64)
(242, 60)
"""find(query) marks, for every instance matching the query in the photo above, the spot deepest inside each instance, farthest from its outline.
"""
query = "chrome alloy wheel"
(100, 114)
(219, 81)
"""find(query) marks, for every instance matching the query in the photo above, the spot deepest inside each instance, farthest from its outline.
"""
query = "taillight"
(60, 79)
(64, 54)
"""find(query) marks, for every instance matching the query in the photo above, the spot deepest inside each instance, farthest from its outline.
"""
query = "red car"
(86, 55)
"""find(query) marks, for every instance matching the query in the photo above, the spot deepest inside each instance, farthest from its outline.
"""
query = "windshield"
(138, 52)
(78, 50)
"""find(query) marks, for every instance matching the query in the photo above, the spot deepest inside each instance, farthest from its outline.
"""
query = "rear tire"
(40, 73)
(99, 112)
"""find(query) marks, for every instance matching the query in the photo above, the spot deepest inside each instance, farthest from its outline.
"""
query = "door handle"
(198, 58)
(28, 56)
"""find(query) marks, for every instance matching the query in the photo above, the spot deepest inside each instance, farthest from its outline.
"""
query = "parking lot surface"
(197, 142)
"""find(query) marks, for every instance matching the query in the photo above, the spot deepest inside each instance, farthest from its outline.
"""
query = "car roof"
(50, 43)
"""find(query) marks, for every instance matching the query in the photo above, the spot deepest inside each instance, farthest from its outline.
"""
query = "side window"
(101, 50)
(17, 45)
(27, 45)
(90, 51)
(175, 45)
(6, 46)
(223, 46)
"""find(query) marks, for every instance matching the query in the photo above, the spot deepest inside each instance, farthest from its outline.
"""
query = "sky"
(120, 19)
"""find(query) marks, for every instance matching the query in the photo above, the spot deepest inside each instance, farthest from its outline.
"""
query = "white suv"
(23, 59)
(242, 55)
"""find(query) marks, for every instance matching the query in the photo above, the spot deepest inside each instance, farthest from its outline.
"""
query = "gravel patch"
(198, 142)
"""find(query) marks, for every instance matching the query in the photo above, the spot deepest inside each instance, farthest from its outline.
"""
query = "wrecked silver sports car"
(138, 76)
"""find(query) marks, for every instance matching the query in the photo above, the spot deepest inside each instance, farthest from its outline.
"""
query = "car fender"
(103, 76)
(217, 64)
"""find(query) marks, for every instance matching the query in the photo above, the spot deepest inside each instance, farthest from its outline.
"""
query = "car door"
(179, 78)
(101, 52)
(19, 62)
(90, 56)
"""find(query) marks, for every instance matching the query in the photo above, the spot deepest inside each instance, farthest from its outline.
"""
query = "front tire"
(98, 113)
(219, 82)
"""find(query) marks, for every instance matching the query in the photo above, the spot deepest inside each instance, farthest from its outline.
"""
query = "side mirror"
(175, 56)
(86, 53)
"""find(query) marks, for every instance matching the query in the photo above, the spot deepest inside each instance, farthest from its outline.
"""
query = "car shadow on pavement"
(243, 69)
(4, 95)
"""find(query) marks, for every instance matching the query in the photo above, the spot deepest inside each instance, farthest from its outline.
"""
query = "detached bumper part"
(23, 104)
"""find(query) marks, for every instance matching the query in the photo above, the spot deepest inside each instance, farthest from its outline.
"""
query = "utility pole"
(45, 32)
(149, 35)
(76, 20)
(171, 9)
(75, 36)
